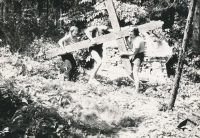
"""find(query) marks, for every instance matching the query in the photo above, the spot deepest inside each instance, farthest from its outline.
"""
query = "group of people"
(135, 42)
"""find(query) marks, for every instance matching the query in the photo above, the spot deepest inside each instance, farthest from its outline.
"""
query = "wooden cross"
(119, 35)
(120, 41)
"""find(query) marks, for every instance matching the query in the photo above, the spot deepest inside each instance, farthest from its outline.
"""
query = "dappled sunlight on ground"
(110, 109)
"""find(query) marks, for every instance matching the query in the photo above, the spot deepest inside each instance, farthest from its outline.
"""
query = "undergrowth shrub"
(120, 82)
(123, 81)
(130, 122)
(39, 121)
(21, 118)
(192, 69)
(38, 48)
(10, 102)
(193, 75)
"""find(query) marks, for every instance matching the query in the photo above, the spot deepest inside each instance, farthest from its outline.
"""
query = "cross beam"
(120, 41)
(124, 32)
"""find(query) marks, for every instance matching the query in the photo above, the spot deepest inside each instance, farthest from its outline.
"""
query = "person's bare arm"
(130, 53)
(89, 31)
(128, 42)
(144, 34)
(111, 30)
(62, 40)
(134, 50)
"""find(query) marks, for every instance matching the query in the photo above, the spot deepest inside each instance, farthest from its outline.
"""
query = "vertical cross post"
(116, 27)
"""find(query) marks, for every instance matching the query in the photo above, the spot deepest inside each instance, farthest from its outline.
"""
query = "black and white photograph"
(99, 68)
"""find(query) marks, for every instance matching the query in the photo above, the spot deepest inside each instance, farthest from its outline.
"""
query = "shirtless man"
(96, 50)
(67, 58)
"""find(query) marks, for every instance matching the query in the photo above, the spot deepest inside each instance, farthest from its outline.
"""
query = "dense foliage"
(24, 21)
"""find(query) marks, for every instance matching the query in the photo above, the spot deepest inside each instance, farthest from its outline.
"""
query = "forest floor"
(137, 115)
(112, 109)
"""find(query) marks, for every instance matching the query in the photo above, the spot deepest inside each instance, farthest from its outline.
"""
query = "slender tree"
(182, 55)
(1, 11)
(196, 29)
(4, 10)
(47, 11)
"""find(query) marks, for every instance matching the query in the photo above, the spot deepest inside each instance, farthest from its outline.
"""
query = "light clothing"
(138, 43)
(138, 47)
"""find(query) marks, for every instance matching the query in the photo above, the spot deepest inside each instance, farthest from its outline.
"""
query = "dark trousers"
(69, 65)
(170, 65)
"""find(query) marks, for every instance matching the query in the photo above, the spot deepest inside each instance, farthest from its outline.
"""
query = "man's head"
(73, 30)
(133, 31)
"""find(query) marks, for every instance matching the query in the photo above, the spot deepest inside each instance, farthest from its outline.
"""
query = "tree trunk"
(4, 11)
(196, 30)
(1, 12)
(61, 14)
(182, 55)
(47, 12)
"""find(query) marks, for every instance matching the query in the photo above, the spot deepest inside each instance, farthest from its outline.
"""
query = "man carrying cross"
(95, 50)
(137, 45)
(67, 58)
